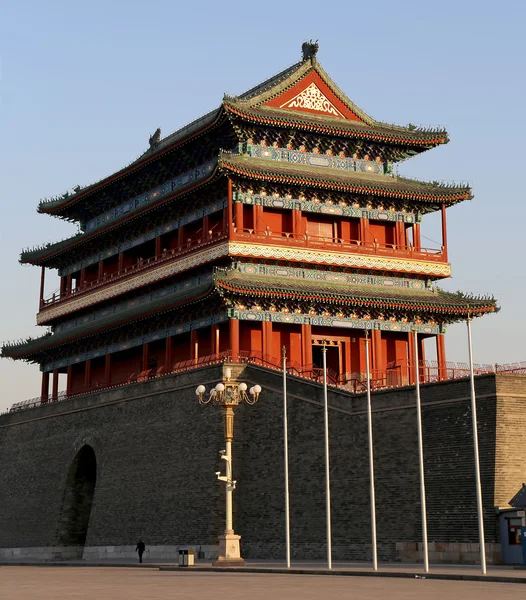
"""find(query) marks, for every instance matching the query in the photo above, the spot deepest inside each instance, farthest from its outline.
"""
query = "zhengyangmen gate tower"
(275, 220)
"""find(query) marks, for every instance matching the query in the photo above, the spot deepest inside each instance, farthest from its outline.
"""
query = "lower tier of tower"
(392, 356)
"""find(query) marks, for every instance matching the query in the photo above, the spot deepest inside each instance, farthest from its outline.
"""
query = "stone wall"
(157, 451)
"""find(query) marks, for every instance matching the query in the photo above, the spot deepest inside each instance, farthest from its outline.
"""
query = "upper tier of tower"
(299, 109)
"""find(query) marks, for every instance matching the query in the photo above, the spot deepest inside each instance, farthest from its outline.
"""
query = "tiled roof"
(40, 254)
(343, 180)
(248, 105)
(380, 132)
(120, 319)
(379, 296)
(187, 131)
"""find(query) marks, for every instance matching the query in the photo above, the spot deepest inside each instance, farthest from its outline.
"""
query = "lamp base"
(229, 554)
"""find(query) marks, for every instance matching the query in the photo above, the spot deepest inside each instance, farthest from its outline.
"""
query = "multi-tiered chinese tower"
(275, 220)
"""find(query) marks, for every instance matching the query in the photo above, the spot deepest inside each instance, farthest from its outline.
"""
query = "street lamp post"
(228, 394)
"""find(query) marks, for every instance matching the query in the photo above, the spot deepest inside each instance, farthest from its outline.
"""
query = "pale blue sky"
(83, 85)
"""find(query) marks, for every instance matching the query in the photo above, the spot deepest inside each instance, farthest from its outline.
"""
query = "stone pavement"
(30, 582)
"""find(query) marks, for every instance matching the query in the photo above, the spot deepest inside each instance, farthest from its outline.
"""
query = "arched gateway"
(78, 500)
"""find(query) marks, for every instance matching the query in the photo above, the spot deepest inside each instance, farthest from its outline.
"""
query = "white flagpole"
(480, 514)
(371, 455)
(421, 456)
(286, 447)
(327, 475)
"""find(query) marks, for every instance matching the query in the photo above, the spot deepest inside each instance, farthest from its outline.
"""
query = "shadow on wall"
(78, 500)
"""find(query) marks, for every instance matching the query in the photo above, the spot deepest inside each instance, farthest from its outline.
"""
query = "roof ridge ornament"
(155, 138)
(309, 50)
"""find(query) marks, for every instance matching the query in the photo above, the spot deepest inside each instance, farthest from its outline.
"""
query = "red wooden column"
(168, 357)
(411, 357)
(214, 340)
(120, 265)
(42, 281)
(69, 380)
(364, 230)
(267, 340)
(44, 393)
(206, 226)
(54, 387)
(100, 271)
(417, 240)
(180, 237)
(87, 375)
(62, 286)
(158, 249)
(69, 280)
(296, 222)
(441, 357)
(230, 210)
(82, 277)
(234, 338)
(145, 356)
(258, 219)
(378, 358)
(107, 370)
(194, 344)
(238, 216)
(400, 235)
(444, 230)
(306, 344)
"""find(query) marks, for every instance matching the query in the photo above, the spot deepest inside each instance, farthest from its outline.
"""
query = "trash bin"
(183, 557)
(186, 557)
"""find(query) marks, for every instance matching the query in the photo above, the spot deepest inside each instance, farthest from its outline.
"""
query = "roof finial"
(309, 50)
(155, 138)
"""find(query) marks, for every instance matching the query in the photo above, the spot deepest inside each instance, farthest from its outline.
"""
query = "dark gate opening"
(78, 499)
(333, 362)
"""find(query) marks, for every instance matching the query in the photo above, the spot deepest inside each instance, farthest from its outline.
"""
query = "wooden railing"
(140, 265)
(333, 244)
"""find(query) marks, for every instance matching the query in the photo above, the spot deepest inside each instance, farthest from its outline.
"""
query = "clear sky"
(84, 84)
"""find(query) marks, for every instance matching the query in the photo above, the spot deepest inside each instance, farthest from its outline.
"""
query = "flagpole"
(327, 475)
(480, 514)
(371, 454)
(421, 456)
(286, 452)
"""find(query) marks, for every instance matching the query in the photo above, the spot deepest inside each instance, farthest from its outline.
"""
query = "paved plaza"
(113, 583)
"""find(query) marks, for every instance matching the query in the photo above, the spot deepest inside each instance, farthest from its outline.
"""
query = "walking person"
(141, 547)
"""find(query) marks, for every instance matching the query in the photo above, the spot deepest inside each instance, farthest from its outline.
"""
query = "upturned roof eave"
(35, 346)
(448, 304)
(40, 256)
(195, 128)
(339, 180)
(419, 139)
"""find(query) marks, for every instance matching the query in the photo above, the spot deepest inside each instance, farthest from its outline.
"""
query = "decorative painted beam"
(316, 320)
(314, 159)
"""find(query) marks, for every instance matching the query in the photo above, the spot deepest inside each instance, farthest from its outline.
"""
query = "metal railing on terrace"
(394, 376)
(335, 244)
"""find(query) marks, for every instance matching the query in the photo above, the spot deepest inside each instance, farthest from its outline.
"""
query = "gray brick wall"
(157, 453)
